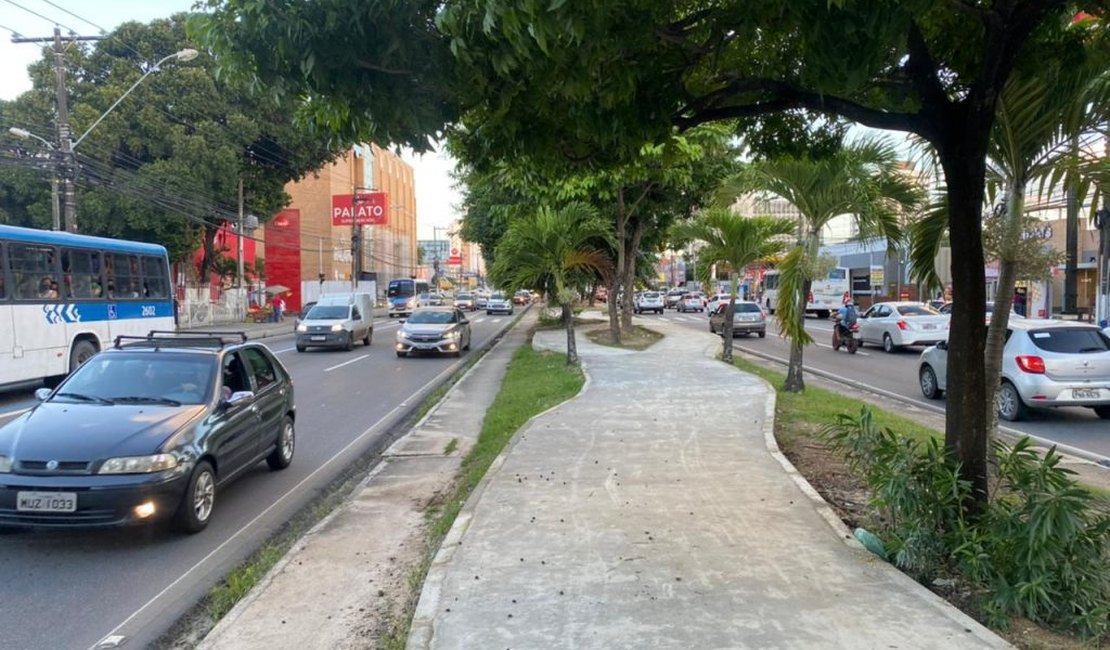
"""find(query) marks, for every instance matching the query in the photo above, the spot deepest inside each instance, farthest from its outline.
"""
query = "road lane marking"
(347, 363)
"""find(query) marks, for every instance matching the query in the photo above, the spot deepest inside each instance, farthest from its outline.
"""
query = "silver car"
(434, 329)
(1044, 364)
(498, 303)
(747, 318)
(649, 301)
(895, 325)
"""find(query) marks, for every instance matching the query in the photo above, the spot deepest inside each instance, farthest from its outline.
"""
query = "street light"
(56, 222)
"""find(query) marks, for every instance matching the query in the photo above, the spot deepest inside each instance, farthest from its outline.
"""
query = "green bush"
(1040, 549)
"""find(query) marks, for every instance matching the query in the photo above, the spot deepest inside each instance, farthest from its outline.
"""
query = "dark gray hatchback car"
(147, 430)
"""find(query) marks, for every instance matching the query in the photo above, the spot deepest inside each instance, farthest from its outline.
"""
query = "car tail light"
(1031, 364)
(854, 327)
(903, 325)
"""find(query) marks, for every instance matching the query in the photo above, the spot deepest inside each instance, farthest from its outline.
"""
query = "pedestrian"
(279, 308)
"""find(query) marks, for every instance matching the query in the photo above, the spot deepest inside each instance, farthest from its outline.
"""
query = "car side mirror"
(401, 321)
(42, 394)
(942, 345)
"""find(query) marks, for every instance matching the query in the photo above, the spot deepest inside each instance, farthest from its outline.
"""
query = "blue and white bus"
(65, 297)
(402, 295)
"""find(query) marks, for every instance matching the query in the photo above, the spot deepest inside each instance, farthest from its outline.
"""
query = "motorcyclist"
(846, 317)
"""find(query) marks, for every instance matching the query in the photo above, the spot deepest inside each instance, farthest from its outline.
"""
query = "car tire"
(349, 342)
(888, 344)
(301, 348)
(282, 455)
(489, 313)
(1010, 406)
(927, 380)
(195, 510)
(712, 330)
(401, 355)
(762, 334)
(82, 352)
(1103, 412)
(369, 338)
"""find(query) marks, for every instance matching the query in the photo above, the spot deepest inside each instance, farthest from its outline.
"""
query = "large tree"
(164, 165)
(601, 79)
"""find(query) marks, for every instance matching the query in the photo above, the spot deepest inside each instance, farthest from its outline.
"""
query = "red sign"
(454, 260)
(281, 221)
(363, 209)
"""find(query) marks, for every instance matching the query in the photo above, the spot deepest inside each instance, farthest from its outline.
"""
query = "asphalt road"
(897, 373)
(77, 589)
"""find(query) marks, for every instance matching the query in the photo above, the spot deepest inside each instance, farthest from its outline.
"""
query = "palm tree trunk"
(795, 381)
(1003, 302)
(730, 313)
(572, 346)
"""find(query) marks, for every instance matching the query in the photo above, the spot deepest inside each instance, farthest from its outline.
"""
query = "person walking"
(279, 308)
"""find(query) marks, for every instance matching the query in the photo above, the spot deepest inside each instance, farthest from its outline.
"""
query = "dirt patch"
(636, 338)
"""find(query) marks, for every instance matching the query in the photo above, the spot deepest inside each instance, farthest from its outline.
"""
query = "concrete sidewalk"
(655, 511)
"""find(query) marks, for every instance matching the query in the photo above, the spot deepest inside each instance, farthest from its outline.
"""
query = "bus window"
(34, 271)
(3, 273)
(124, 280)
(838, 274)
(81, 273)
(155, 282)
(771, 281)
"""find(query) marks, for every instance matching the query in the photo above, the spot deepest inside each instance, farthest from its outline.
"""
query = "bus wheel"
(82, 352)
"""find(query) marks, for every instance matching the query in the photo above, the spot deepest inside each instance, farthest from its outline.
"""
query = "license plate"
(425, 347)
(46, 502)
(929, 326)
(1085, 393)
(318, 338)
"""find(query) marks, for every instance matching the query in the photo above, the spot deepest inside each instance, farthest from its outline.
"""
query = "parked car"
(1044, 364)
(337, 321)
(896, 325)
(649, 301)
(715, 300)
(522, 297)
(946, 309)
(498, 303)
(690, 302)
(151, 429)
(673, 298)
(601, 294)
(747, 318)
(466, 302)
(302, 313)
(445, 330)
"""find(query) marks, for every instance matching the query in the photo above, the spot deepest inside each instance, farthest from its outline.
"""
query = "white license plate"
(1085, 393)
(928, 326)
(46, 502)
(318, 338)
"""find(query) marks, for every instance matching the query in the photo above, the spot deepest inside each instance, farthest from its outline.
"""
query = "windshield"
(136, 378)
(497, 296)
(748, 308)
(400, 289)
(651, 295)
(1070, 340)
(328, 312)
(463, 296)
(917, 310)
(432, 317)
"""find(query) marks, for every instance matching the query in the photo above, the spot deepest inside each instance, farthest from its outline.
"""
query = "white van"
(337, 321)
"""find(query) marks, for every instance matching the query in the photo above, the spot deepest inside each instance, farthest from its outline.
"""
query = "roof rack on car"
(168, 339)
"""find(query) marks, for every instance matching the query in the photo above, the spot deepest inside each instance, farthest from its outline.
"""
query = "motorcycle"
(851, 341)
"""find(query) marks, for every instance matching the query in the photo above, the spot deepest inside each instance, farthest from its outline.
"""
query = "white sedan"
(894, 325)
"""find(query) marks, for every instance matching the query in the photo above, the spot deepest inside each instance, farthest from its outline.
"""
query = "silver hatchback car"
(1044, 364)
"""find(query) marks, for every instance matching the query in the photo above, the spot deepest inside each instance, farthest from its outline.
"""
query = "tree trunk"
(730, 312)
(795, 381)
(1003, 302)
(629, 288)
(208, 260)
(572, 346)
(611, 306)
(618, 277)
(962, 153)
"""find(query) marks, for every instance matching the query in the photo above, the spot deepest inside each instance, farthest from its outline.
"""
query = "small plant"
(1041, 549)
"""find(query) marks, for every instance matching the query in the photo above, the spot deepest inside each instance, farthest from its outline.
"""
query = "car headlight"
(337, 328)
(411, 303)
(400, 335)
(302, 328)
(5, 465)
(454, 334)
(138, 464)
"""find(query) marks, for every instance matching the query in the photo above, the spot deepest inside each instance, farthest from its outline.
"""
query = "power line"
(84, 20)
(35, 13)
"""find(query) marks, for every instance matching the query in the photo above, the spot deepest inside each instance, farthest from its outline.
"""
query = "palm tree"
(561, 252)
(864, 179)
(733, 241)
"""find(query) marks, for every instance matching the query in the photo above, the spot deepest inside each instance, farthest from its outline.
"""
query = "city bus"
(825, 296)
(402, 295)
(65, 297)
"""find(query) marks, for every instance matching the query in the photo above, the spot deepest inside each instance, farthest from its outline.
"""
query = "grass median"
(534, 382)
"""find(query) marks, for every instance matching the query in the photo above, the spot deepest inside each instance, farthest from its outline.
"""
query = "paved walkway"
(655, 511)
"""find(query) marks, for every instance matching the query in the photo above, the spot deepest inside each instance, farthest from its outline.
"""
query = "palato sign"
(362, 209)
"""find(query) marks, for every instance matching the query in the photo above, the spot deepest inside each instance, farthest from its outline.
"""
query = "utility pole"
(65, 163)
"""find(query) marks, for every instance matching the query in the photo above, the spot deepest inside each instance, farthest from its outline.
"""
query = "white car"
(1044, 364)
(499, 303)
(649, 301)
(895, 325)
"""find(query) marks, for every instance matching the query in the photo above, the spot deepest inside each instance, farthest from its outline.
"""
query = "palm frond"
(792, 278)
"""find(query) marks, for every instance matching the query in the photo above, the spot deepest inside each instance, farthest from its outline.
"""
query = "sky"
(436, 199)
